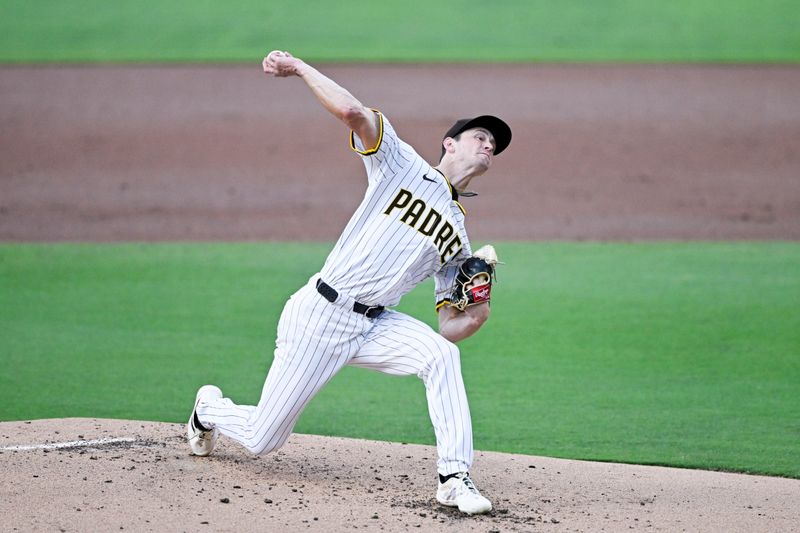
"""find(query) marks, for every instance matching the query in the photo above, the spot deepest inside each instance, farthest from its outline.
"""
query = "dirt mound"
(85, 474)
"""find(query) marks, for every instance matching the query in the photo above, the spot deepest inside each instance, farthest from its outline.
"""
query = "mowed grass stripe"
(684, 354)
(416, 30)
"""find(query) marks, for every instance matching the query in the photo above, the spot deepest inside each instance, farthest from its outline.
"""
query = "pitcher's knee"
(263, 447)
(448, 355)
(262, 443)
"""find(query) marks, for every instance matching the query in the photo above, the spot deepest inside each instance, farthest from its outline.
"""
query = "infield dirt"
(222, 153)
(151, 483)
(225, 153)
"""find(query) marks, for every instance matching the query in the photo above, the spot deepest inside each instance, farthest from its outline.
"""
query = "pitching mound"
(85, 474)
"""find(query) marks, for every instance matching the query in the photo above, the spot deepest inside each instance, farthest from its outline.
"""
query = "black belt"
(330, 294)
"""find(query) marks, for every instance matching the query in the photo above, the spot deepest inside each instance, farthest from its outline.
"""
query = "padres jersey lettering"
(412, 216)
(408, 227)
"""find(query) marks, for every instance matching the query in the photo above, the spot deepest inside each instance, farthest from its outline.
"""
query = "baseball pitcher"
(409, 227)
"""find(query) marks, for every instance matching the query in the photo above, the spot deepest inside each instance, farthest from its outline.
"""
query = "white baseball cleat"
(459, 491)
(201, 440)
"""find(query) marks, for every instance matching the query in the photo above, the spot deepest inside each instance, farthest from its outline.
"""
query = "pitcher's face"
(476, 146)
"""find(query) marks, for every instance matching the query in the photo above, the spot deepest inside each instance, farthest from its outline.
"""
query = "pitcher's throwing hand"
(280, 64)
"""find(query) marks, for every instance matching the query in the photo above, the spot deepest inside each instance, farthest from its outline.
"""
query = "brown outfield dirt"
(149, 482)
(220, 153)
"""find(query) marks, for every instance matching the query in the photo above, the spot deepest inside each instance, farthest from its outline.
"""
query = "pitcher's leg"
(449, 409)
(402, 345)
(315, 340)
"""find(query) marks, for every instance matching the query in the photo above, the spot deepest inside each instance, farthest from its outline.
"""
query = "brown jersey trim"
(453, 191)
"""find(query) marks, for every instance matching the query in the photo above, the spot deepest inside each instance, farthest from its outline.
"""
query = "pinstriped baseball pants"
(315, 340)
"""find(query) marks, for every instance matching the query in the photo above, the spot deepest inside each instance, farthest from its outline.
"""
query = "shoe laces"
(467, 481)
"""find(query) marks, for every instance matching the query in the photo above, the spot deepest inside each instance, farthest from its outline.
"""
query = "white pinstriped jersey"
(409, 227)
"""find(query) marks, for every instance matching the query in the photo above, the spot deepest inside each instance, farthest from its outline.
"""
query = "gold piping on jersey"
(377, 144)
(453, 192)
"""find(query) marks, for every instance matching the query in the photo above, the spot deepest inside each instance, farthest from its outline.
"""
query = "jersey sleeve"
(383, 160)
(443, 285)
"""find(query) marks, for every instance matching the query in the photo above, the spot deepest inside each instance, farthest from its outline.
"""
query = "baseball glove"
(473, 283)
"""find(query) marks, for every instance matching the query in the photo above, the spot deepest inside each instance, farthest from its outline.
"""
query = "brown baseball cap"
(500, 130)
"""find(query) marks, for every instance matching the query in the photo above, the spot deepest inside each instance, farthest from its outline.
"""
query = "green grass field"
(414, 30)
(663, 353)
